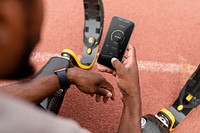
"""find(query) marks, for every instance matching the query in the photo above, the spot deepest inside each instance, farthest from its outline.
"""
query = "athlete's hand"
(92, 83)
(126, 73)
(127, 78)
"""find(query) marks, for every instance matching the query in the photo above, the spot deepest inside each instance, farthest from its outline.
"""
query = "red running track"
(166, 38)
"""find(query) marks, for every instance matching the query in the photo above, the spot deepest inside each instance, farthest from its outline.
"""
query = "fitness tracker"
(62, 76)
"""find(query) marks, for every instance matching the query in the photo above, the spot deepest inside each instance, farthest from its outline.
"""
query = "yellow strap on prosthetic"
(75, 57)
(171, 116)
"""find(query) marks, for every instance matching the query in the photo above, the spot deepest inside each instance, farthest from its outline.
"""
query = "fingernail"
(113, 59)
(109, 95)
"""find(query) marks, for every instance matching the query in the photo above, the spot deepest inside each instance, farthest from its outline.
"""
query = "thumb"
(120, 69)
(104, 92)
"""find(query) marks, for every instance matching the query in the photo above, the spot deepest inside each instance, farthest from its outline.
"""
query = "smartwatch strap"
(62, 76)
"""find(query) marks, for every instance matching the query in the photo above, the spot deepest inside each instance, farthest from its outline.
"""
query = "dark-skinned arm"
(128, 84)
(127, 78)
(37, 89)
(131, 115)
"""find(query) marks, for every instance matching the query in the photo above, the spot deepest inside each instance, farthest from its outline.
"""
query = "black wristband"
(62, 76)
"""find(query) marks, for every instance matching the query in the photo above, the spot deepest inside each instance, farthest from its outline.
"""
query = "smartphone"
(116, 41)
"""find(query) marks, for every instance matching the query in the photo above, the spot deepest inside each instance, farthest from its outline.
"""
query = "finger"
(105, 99)
(106, 89)
(113, 95)
(114, 73)
(98, 98)
(125, 62)
(129, 47)
(133, 55)
(123, 59)
(104, 69)
(101, 68)
(126, 55)
(120, 70)
(131, 52)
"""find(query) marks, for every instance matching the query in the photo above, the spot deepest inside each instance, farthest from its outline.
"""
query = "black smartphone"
(116, 41)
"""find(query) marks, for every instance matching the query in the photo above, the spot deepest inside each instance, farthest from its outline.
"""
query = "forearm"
(131, 115)
(34, 90)
(37, 89)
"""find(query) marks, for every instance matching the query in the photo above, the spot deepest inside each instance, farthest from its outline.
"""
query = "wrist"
(132, 94)
(71, 74)
(131, 101)
(132, 106)
(133, 98)
(62, 76)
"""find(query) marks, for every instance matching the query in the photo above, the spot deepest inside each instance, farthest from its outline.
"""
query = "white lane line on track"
(158, 67)
(142, 65)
